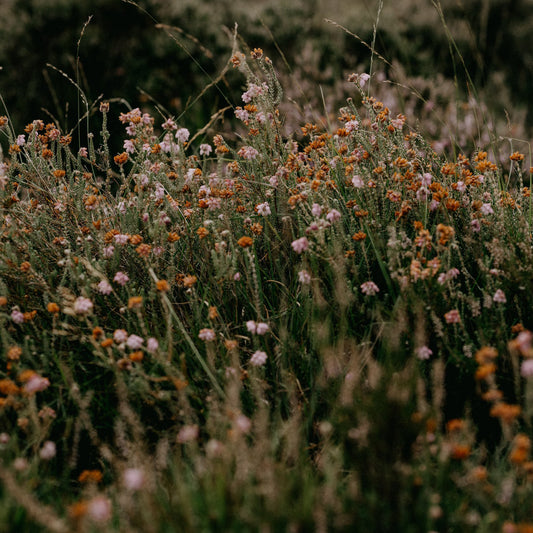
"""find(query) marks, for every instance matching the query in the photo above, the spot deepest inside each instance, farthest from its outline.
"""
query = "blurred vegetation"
(122, 54)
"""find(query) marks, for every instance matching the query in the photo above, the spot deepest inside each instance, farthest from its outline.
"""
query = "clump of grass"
(325, 333)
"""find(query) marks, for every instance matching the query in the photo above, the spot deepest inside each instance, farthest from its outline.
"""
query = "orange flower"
(3, 300)
(122, 158)
(8, 387)
(202, 232)
(136, 357)
(59, 173)
(29, 315)
(135, 302)
(162, 285)
(484, 371)
(245, 242)
(189, 281)
(136, 239)
(144, 250)
(90, 476)
(25, 266)
(173, 237)
(213, 313)
(14, 353)
(516, 156)
(359, 236)
(460, 452)
(106, 343)
(486, 354)
(52, 307)
(97, 332)
(507, 413)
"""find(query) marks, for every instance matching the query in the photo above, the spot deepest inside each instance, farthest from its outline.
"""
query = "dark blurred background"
(122, 54)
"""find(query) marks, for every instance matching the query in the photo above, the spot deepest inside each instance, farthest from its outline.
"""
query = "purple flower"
(82, 305)
(259, 358)
(104, 287)
(300, 245)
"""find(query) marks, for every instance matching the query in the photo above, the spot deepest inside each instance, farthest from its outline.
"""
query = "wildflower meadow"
(246, 328)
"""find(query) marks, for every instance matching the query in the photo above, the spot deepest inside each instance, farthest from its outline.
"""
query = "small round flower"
(152, 345)
(452, 317)
(133, 479)
(121, 238)
(300, 245)
(261, 328)
(182, 135)
(120, 336)
(499, 297)
(82, 305)
(248, 152)
(104, 287)
(333, 216)
(263, 209)
(206, 335)
(17, 316)
(369, 288)
(188, 434)
(243, 423)
(108, 251)
(205, 149)
(526, 369)
(245, 242)
(475, 225)
(99, 509)
(304, 277)
(486, 209)
(121, 278)
(48, 451)
(36, 384)
(423, 353)
(316, 210)
(251, 326)
(258, 358)
(134, 342)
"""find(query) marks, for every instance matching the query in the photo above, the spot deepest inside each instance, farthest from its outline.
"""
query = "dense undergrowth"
(326, 331)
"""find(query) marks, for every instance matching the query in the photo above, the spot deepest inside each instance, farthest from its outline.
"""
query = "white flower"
(263, 209)
(133, 479)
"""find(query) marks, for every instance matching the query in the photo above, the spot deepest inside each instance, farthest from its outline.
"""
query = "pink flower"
(369, 288)
(316, 210)
(133, 479)
(109, 250)
(452, 317)
(21, 140)
(207, 335)
(36, 384)
(261, 328)
(248, 152)
(83, 152)
(188, 434)
(423, 353)
(121, 238)
(152, 345)
(99, 509)
(243, 423)
(205, 149)
(499, 297)
(48, 451)
(134, 342)
(304, 277)
(486, 209)
(104, 287)
(357, 182)
(121, 278)
(300, 245)
(17, 316)
(333, 216)
(263, 209)
(120, 336)
(475, 225)
(182, 135)
(129, 146)
(526, 369)
(82, 305)
(258, 358)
